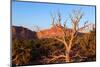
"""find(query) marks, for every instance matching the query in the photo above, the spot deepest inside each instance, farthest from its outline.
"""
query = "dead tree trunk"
(75, 19)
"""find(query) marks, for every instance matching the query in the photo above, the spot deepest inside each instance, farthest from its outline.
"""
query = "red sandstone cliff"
(24, 33)
(53, 31)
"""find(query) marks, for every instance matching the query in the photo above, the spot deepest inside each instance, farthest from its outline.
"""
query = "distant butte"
(20, 32)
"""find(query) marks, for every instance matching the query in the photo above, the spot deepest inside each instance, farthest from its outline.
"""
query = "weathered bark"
(67, 57)
(75, 19)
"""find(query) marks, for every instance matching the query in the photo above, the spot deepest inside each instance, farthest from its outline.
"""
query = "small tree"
(36, 28)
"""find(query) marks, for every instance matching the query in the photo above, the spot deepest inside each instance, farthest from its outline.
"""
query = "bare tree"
(36, 28)
(52, 19)
(75, 17)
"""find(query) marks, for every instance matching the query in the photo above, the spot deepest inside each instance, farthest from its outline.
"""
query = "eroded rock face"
(53, 31)
(22, 33)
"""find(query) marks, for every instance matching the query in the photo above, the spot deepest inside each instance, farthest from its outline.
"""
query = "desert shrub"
(86, 45)
(20, 52)
(37, 51)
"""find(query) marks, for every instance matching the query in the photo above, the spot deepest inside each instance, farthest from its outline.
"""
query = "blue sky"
(29, 14)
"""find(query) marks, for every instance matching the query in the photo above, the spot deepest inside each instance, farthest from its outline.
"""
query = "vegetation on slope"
(46, 51)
